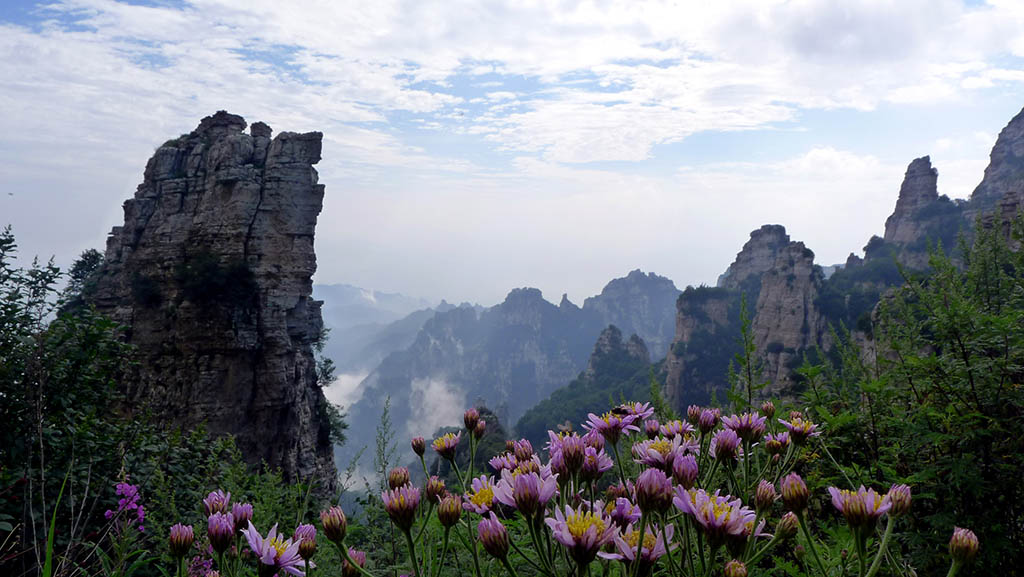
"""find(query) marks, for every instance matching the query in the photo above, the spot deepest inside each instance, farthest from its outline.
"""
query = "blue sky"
(473, 147)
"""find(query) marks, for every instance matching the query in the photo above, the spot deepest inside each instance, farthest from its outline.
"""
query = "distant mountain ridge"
(509, 356)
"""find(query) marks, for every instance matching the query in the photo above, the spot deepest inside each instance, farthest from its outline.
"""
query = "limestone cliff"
(1005, 171)
(707, 329)
(211, 277)
(638, 303)
(786, 319)
(757, 257)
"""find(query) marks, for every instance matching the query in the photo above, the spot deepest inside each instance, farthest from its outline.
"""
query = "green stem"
(618, 463)
(351, 562)
(640, 541)
(472, 547)
(423, 526)
(953, 569)
(757, 556)
(881, 548)
(306, 563)
(861, 553)
(849, 483)
(444, 551)
(508, 567)
(412, 552)
(664, 539)
(810, 543)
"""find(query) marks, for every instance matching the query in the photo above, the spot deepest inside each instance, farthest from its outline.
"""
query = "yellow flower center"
(485, 496)
(661, 445)
(578, 523)
(279, 545)
(649, 540)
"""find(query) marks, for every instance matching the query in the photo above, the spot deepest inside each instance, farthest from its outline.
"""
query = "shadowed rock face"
(211, 277)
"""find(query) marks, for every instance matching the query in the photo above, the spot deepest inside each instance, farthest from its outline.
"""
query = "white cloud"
(433, 403)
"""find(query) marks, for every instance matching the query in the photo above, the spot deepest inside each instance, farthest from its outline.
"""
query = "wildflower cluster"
(711, 495)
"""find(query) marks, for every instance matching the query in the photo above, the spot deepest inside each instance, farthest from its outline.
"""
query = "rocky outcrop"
(609, 344)
(918, 191)
(786, 320)
(211, 278)
(1005, 171)
(757, 257)
(707, 326)
(638, 303)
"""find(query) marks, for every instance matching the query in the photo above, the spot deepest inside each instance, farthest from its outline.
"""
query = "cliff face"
(707, 327)
(211, 277)
(1005, 171)
(757, 257)
(639, 303)
(786, 319)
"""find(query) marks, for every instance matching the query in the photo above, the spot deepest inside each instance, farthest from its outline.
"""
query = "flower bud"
(693, 414)
(523, 450)
(335, 525)
(735, 568)
(684, 471)
(799, 551)
(419, 446)
(358, 557)
(398, 477)
(765, 496)
(435, 489)
(708, 420)
(652, 428)
(963, 545)
(794, 492)
(787, 527)
(470, 418)
(450, 510)
(306, 536)
(493, 536)
(616, 491)
(899, 496)
(221, 531)
(216, 502)
(768, 408)
(242, 513)
(181, 540)
(479, 429)
(653, 491)
(510, 446)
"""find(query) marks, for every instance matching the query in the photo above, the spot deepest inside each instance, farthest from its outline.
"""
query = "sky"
(474, 147)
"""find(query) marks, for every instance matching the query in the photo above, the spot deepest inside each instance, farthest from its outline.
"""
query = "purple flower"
(787, 527)
(570, 448)
(593, 440)
(623, 512)
(748, 426)
(221, 530)
(470, 418)
(963, 545)
(527, 492)
(305, 536)
(676, 428)
(651, 428)
(275, 553)
(708, 420)
(768, 408)
(583, 532)
(693, 414)
(242, 514)
(735, 568)
(523, 450)
(611, 425)
(800, 430)
(129, 512)
(725, 446)
(862, 508)
(480, 499)
(398, 477)
(639, 410)
(434, 489)
(449, 511)
(658, 452)
(358, 557)
(776, 444)
(899, 496)
(503, 461)
(653, 547)
(493, 536)
(335, 524)
(653, 491)
(419, 446)
(795, 495)
(216, 502)
(181, 540)
(764, 496)
(446, 445)
(595, 463)
(479, 429)
(401, 504)
(684, 470)
(718, 516)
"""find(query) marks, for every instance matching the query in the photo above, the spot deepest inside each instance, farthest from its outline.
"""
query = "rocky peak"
(641, 303)
(1005, 171)
(756, 257)
(566, 304)
(918, 191)
(211, 278)
(609, 346)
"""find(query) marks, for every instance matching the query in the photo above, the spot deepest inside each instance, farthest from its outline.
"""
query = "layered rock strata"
(210, 275)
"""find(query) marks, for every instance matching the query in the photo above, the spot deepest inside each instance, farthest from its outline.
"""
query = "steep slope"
(211, 277)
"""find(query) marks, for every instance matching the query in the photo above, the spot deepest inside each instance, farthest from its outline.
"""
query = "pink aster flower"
(523, 450)
(216, 502)
(639, 410)
(401, 504)
(595, 463)
(658, 452)
(493, 536)
(708, 420)
(676, 428)
(653, 491)
(570, 447)
(275, 553)
(725, 446)
(503, 461)
(652, 549)
(527, 492)
(693, 414)
(594, 440)
(582, 531)
(718, 516)
(652, 428)
(776, 444)
(862, 508)
(242, 514)
(446, 444)
(684, 470)
(800, 430)
(481, 498)
(221, 530)
(622, 512)
(611, 425)
(748, 426)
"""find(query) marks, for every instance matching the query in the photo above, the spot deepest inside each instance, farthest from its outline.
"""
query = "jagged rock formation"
(786, 319)
(616, 369)
(211, 277)
(757, 257)
(707, 326)
(1005, 171)
(639, 303)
